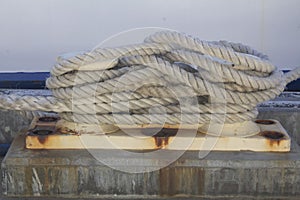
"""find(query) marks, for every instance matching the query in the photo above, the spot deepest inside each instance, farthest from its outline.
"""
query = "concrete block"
(76, 174)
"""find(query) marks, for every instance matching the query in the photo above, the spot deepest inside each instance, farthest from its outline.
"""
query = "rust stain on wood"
(162, 138)
(161, 142)
(273, 137)
(42, 139)
(42, 135)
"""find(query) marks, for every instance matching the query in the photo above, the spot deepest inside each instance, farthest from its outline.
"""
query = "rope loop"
(169, 77)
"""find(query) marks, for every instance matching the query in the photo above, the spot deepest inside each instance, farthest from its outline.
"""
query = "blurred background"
(33, 32)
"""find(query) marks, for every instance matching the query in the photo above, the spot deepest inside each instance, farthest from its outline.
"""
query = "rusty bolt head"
(42, 132)
(274, 135)
(48, 119)
(264, 121)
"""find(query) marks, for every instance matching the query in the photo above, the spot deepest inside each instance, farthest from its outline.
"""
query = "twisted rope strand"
(170, 78)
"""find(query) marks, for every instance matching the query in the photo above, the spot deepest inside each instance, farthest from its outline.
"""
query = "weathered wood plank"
(271, 138)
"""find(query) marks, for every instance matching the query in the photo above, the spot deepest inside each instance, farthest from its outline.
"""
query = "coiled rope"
(147, 83)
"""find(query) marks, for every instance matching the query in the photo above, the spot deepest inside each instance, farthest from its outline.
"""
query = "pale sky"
(33, 32)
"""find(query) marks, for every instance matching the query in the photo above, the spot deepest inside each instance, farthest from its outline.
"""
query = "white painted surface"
(33, 32)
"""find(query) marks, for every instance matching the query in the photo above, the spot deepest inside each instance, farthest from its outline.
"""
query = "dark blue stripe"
(23, 80)
(3, 149)
(292, 86)
(24, 76)
(36, 80)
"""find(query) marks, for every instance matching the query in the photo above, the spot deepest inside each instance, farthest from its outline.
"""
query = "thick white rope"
(171, 77)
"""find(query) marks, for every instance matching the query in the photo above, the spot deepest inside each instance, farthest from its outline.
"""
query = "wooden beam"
(271, 138)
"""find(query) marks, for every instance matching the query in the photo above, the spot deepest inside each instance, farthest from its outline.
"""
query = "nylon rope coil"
(131, 84)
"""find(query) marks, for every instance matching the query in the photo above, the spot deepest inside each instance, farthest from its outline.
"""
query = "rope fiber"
(171, 78)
